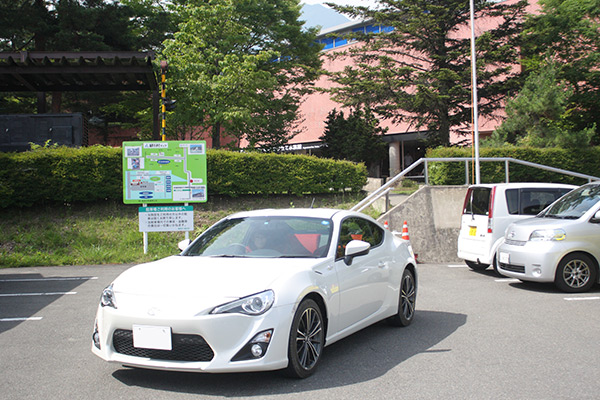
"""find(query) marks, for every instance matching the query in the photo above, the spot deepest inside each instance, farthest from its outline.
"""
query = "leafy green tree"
(420, 71)
(538, 116)
(67, 25)
(567, 32)
(356, 138)
(26, 24)
(241, 67)
(91, 25)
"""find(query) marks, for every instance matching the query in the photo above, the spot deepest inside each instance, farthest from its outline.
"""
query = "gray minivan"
(489, 209)
(560, 245)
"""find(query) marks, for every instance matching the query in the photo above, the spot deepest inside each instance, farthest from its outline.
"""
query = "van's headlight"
(252, 305)
(548, 234)
(108, 297)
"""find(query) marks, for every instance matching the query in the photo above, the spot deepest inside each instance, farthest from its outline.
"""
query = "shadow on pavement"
(361, 357)
(17, 301)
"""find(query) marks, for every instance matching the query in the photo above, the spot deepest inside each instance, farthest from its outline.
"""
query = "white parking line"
(49, 279)
(35, 294)
(507, 280)
(20, 319)
(582, 298)
(458, 266)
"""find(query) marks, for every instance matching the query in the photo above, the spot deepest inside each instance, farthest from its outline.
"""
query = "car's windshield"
(574, 204)
(271, 237)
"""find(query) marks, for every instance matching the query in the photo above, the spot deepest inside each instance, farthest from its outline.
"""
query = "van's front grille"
(515, 242)
(513, 268)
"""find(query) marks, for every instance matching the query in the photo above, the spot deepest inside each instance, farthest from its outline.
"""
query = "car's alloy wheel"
(307, 337)
(576, 273)
(407, 302)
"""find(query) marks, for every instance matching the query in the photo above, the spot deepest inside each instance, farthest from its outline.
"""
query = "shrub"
(62, 174)
(584, 161)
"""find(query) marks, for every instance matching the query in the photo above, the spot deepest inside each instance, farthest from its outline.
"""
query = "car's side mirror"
(596, 218)
(355, 248)
(184, 244)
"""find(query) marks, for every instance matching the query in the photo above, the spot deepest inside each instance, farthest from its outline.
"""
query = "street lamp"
(474, 99)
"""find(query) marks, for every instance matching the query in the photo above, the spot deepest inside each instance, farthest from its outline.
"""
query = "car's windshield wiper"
(292, 256)
(229, 256)
(560, 216)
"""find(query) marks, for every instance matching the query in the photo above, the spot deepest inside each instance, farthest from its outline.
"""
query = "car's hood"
(521, 230)
(184, 285)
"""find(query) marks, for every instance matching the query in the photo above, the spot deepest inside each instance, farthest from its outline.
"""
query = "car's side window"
(355, 228)
(528, 201)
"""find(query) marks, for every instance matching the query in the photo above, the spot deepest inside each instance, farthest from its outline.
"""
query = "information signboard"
(164, 172)
(166, 218)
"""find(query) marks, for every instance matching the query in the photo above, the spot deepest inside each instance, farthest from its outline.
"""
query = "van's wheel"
(307, 337)
(575, 273)
(407, 301)
(475, 266)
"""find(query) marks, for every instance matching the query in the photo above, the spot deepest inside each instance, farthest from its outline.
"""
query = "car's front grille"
(515, 242)
(512, 268)
(185, 348)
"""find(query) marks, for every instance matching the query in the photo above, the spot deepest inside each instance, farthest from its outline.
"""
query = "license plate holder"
(472, 230)
(152, 337)
(504, 257)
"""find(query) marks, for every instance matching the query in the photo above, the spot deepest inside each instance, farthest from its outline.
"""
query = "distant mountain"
(318, 15)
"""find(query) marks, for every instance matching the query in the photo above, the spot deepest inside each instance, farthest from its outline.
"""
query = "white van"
(489, 209)
(560, 245)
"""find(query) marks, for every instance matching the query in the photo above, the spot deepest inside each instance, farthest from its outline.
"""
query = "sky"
(342, 2)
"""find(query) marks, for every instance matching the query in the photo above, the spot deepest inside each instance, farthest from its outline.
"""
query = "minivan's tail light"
(491, 209)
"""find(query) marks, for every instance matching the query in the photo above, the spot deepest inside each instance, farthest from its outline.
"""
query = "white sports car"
(259, 290)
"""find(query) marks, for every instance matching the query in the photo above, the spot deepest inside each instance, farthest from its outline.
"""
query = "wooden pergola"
(54, 72)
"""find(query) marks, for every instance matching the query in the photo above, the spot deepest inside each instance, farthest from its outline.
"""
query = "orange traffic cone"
(405, 231)
(386, 225)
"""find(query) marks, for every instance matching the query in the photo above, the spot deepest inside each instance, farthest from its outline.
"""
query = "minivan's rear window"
(478, 201)
(528, 201)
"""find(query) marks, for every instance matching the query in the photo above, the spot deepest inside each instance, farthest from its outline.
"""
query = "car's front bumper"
(530, 261)
(225, 334)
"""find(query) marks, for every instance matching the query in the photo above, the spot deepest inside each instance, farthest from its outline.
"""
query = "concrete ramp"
(433, 215)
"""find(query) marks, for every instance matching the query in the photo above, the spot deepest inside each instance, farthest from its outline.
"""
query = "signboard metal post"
(164, 172)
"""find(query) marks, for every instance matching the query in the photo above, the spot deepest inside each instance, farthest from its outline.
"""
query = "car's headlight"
(252, 305)
(548, 234)
(108, 297)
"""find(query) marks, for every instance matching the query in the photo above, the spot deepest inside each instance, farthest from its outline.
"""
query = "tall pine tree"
(420, 71)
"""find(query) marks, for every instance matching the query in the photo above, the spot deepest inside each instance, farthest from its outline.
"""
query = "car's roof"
(290, 212)
(519, 185)
(593, 183)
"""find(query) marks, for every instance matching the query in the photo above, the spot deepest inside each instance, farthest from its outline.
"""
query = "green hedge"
(584, 161)
(59, 175)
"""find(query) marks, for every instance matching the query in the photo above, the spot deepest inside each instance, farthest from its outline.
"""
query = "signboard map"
(164, 172)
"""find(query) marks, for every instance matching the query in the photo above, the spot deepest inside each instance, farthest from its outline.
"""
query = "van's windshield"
(574, 204)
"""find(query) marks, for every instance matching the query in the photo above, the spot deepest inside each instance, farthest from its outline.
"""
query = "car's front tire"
(576, 273)
(307, 339)
(407, 301)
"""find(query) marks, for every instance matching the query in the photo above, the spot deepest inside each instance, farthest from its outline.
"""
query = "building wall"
(402, 138)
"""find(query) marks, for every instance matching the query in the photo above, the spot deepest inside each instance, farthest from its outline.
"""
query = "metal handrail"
(383, 190)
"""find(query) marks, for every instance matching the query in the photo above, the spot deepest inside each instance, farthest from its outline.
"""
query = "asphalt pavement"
(475, 336)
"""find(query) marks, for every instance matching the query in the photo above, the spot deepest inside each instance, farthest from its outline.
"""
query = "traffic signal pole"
(163, 98)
